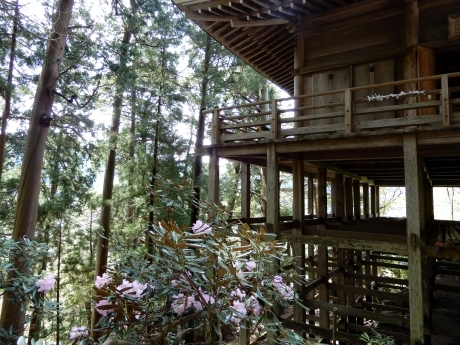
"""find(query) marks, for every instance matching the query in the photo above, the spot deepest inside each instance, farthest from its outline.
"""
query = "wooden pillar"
(333, 195)
(245, 175)
(373, 202)
(339, 198)
(213, 179)
(377, 200)
(322, 250)
(272, 217)
(299, 248)
(348, 198)
(415, 240)
(310, 196)
(356, 199)
(272, 189)
(366, 200)
(299, 79)
(412, 23)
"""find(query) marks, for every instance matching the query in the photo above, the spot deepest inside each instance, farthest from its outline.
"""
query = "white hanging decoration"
(377, 97)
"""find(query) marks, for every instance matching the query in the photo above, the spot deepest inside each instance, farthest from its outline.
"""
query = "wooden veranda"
(375, 101)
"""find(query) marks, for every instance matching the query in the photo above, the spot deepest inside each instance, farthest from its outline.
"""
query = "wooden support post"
(310, 187)
(368, 285)
(348, 198)
(299, 79)
(377, 200)
(272, 189)
(322, 250)
(333, 195)
(299, 248)
(445, 107)
(339, 198)
(412, 23)
(213, 179)
(366, 200)
(351, 282)
(415, 241)
(274, 120)
(357, 199)
(359, 283)
(215, 127)
(348, 114)
(272, 217)
(373, 201)
(245, 174)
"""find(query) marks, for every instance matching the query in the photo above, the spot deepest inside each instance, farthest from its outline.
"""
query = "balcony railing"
(420, 102)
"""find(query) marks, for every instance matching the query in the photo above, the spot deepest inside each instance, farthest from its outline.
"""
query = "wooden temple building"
(374, 101)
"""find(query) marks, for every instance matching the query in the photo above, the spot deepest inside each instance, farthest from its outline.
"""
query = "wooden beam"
(350, 243)
(415, 226)
(339, 197)
(373, 202)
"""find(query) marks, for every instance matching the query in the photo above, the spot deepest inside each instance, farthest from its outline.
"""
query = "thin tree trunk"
(9, 88)
(25, 220)
(102, 250)
(35, 322)
(197, 166)
(150, 244)
(132, 146)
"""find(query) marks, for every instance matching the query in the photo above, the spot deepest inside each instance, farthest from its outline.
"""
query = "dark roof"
(260, 32)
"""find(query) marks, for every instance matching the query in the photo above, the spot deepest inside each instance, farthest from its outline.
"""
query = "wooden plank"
(364, 329)
(361, 235)
(414, 213)
(373, 202)
(213, 178)
(321, 332)
(370, 277)
(383, 294)
(348, 112)
(339, 197)
(348, 311)
(402, 311)
(357, 244)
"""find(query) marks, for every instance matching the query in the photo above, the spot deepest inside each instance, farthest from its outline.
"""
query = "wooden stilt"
(356, 200)
(348, 198)
(339, 198)
(299, 248)
(366, 200)
(373, 201)
(415, 242)
(322, 250)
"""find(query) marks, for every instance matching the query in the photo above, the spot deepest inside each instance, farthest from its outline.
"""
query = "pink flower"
(207, 298)
(254, 305)
(240, 307)
(250, 265)
(102, 280)
(178, 304)
(46, 284)
(104, 302)
(194, 302)
(283, 289)
(238, 293)
(78, 332)
(135, 289)
(201, 228)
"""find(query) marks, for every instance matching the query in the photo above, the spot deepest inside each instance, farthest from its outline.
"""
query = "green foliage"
(196, 277)
(377, 339)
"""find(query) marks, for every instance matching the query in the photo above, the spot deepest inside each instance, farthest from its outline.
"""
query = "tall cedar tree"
(13, 312)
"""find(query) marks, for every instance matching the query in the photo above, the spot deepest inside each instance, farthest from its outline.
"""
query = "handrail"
(337, 114)
(352, 89)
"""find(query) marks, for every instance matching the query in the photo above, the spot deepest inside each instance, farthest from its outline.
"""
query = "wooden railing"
(427, 101)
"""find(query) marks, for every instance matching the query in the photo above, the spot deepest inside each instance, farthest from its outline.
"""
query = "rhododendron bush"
(208, 279)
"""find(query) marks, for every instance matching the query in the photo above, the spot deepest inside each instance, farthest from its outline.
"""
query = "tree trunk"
(9, 88)
(132, 146)
(197, 166)
(25, 220)
(102, 250)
